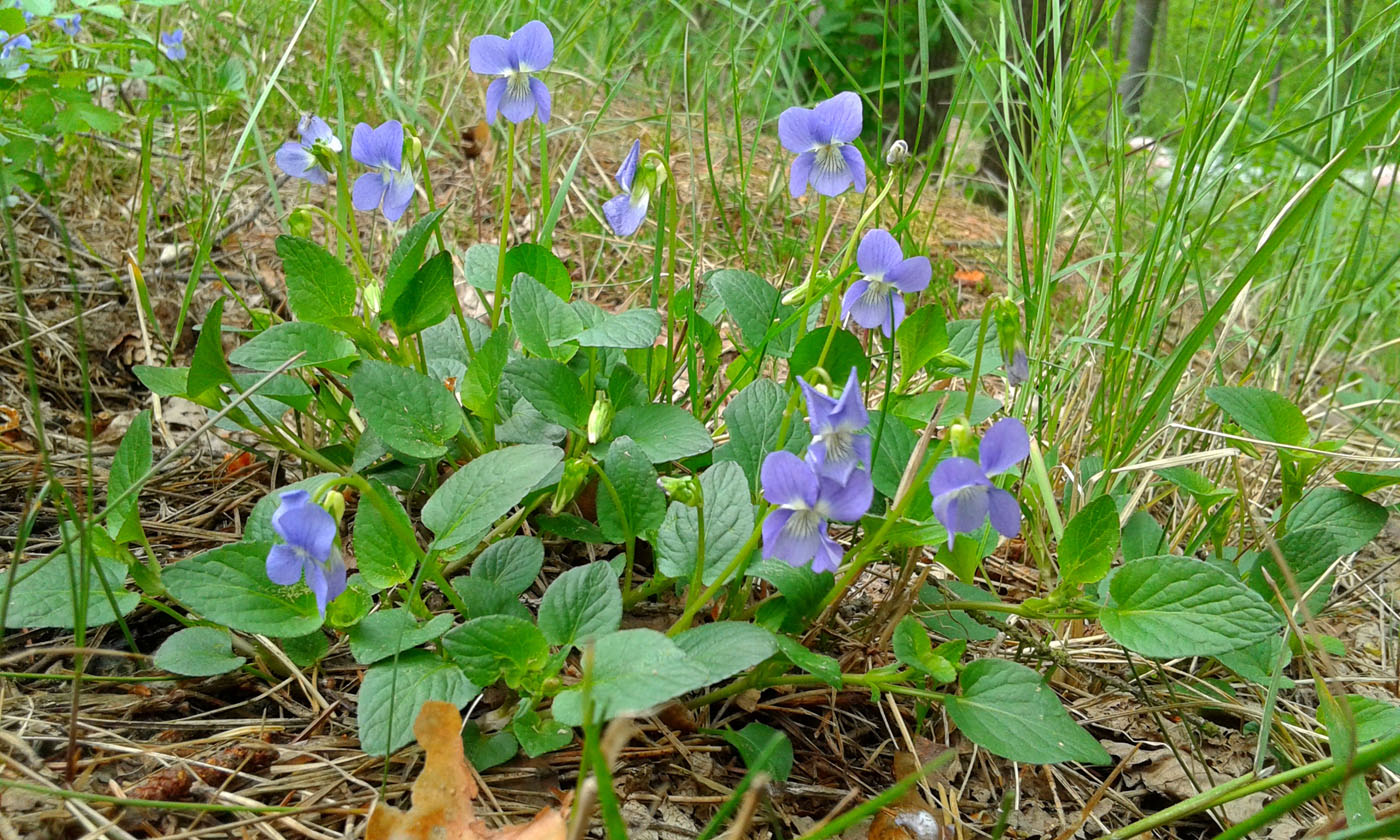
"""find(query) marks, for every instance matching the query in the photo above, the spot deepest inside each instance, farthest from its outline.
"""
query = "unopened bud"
(575, 472)
(325, 156)
(961, 439)
(299, 223)
(415, 146)
(600, 420)
(372, 298)
(334, 503)
(1018, 370)
(684, 489)
(898, 153)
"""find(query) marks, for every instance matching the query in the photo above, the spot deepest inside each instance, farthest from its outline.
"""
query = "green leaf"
(633, 328)
(821, 666)
(130, 464)
(407, 259)
(43, 595)
(1202, 489)
(479, 265)
(956, 624)
(306, 651)
(640, 504)
(1090, 541)
(209, 372)
(526, 425)
(1142, 536)
(1168, 606)
(1357, 482)
(538, 262)
(889, 462)
(387, 632)
(801, 588)
(633, 670)
(763, 749)
(1309, 553)
(484, 490)
(753, 304)
(553, 390)
(483, 597)
(1353, 519)
(271, 348)
(1261, 413)
(724, 648)
(538, 735)
(512, 563)
(754, 419)
(571, 527)
(729, 520)
(962, 346)
(1372, 719)
(319, 286)
(583, 602)
(198, 652)
(665, 432)
(920, 338)
(483, 378)
(843, 353)
(229, 585)
(1258, 661)
(394, 690)
(497, 647)
(428, 298)
(384, 552)
(486, 752)
(541, 319)
(165, 381)
(913, 648)
(1008, 710)
(411, 413)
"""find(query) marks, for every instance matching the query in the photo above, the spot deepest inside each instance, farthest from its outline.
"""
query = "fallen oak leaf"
(444, 790)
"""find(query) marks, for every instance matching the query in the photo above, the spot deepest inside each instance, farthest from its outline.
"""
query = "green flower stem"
(673, 219)
(508, 525)
(697, 577)
(496, 303)
(739, 561)
(656, 584)
(891, 681)
(818, 239)
(360, 262)
(442, 246)
(977, 360)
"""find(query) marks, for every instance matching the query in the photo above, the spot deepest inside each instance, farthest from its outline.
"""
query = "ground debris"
(174, 783)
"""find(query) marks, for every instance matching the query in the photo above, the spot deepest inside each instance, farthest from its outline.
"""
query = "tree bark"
(1131, 86)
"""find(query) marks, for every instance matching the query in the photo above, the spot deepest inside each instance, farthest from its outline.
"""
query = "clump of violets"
(821, 137)
(172, 44)
(626, 212)
(877, 299)
(308, 549)
(389, 187)
(516, 94)
(70, 26)
(831, 482)
(9, 45)
(963, 494)
(299, 159)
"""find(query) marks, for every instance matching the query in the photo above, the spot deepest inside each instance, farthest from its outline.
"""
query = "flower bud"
(575, 472)
(414, 146)
(898, 153)
(325, 156)
(1018, 370)
(600, 420)
(334, 503)
(684, 489)
(961, 439)
(299, 223)
(372, 298)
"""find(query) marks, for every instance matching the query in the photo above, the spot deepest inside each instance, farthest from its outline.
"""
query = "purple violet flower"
(821, 137)
(18, 42)
(299, 160)
(796, 532)
(309, 551)
(877, 299)
(517, 94)
(963, 495)
(839, 445)
(173, 44)
(71, 25)
(626, 212)
(390, 186)
(1019, 369)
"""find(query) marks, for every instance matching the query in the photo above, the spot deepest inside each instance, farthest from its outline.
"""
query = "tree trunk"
(1131, 86)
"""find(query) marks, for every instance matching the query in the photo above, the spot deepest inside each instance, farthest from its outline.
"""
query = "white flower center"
(829, 157)
(803, 523)
(878, 289)
(840, 445)
(517, 83)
